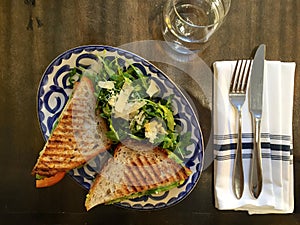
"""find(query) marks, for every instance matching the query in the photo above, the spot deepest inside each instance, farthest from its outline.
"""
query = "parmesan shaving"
(106, 84)
(152, 89)
(152, 129)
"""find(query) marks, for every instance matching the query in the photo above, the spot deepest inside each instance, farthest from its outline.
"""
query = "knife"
(255, 107)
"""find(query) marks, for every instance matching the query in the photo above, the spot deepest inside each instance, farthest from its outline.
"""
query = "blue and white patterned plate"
(53, 93)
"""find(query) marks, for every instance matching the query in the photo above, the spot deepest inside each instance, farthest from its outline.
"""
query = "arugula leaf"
(168, 115)
(154, 108)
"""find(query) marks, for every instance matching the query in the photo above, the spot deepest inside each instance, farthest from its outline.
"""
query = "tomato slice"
(49, 181)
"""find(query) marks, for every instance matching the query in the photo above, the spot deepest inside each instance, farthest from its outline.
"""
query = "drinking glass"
(188, 24)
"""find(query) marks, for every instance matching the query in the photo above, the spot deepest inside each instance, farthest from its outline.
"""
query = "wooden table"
(33, 33)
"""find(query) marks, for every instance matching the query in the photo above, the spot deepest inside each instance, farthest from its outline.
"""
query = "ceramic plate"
(53, 93)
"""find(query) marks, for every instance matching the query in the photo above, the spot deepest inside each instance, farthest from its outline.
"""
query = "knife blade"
(255, 107)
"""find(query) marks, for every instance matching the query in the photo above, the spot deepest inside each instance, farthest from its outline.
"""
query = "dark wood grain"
(33, 33)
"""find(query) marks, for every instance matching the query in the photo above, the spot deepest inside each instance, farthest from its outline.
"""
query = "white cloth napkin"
(277, 150)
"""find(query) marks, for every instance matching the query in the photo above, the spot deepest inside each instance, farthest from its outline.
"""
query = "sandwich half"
(135, 171)
(78, 136)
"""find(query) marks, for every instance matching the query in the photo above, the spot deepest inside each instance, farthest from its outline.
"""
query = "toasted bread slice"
(134, 172)
(79, 135)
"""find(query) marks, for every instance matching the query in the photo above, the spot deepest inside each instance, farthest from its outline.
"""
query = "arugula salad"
(128, 100)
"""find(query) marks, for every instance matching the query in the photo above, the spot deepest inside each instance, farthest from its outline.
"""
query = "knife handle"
(256, 162)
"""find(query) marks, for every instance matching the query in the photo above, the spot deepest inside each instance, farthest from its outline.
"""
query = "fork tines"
(240, 76)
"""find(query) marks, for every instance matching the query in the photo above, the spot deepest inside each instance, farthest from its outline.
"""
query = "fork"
(237, 96)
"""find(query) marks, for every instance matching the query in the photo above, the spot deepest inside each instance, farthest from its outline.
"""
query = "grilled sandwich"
(135, 171)
(78, 136)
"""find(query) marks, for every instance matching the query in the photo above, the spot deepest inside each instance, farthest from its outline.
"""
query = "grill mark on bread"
(153, 169)
(149, 177)
(125, 190)
(133, 180)
(64, 146)
(140, 171)
(131, 188)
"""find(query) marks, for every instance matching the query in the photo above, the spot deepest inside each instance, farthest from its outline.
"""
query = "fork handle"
(256, 162)
(238, 172)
